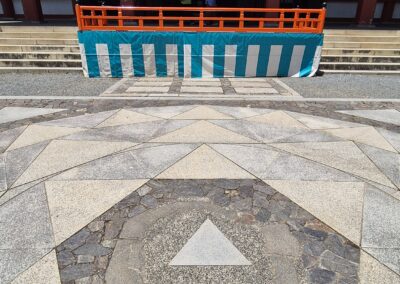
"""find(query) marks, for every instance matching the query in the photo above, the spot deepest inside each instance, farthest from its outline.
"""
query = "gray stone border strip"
(290, 90)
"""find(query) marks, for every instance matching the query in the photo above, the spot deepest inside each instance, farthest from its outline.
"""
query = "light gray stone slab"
(311, 136)
(14, 191)
(387, 162)
(147, 89)
(279, 240)
(18, 160)
(200, 83)
(15, 261)
(388, 256)
(319, 122)
(85, 121)
(381, 221)
(3, 181)
(242, 112)
(140, 163)
(209, 246)
(372, 271)
(164, 112)
(200, 89)
(255, 90)
(8, 136)
(25, 221)
(384, 115)
(258, 131)
(9, 114)
(141, 132)
(392, 137)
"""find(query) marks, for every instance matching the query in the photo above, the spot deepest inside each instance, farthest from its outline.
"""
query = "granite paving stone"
(277, 118)
(311, 136)
(392, 137)
(255, 90)
(388, 256)
(202, 90)
(386, 115)
(202, 112)
(8, 114)
(372, 271)
(84, 121)
(242, 112)
(164, 112)
(123, 117)
(7, 137)
(318, 122)
(3, 180)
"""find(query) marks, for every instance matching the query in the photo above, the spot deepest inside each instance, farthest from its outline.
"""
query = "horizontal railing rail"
(199, 19)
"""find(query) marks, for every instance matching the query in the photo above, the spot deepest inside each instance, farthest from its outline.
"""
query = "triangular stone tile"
(163, 112)
(392, 137)
(384, 115)
(7, 137)
(42, 272)
(60, 155)
(311, 136)
(387, 162)
(345, 156)
(202, 112)
(203, 132)
(208, 247)
(85, 121)
(127, 117)
(277, 118)
(387, 256)
(367, 135)
(242, 112)
(254, 159)
(3, 179)
(39, 133)
(18, 160)
(73, 204)
(318, 122)
(258, 131)
(9, 114)
(338, 204)
(134, 164)
(142, 132)
(204, 163)
(372, 271)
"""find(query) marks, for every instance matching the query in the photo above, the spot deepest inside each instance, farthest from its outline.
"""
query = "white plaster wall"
(396, 12)
(19, 10)
(57, 7)
(378, 10)
(342, 9)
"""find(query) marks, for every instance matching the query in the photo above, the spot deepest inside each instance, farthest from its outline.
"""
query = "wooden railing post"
(78, 13)
(160, 17)
(201, 20)
(241, 19)
(120, 20)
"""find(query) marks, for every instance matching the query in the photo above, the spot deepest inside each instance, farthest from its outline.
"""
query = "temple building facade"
(356, 12)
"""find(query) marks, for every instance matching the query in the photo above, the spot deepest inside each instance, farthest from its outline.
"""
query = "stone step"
(378, 32)
(366, 72)
(39, 35)
(373, 45)
(39, 41)
(360, 51)
(40, 55)
(360, 58)
(361, 38)
(359, 66)
(40, 63)
(40, 28)
(39, 48)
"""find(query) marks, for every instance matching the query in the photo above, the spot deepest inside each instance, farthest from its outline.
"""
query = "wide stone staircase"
(39, 48)
(361, 51)
(55, 48)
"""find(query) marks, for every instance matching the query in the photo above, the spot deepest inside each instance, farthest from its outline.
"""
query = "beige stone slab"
(204, 163)
(318, 122)
(366, 135)
(203, 132)
(248, 79)
(155, 79)
(199, 89)
(124, 117)
(37, 133)
(251, 84)
(277, 118)
(202, 80)
(73, 204)
(148, 89)
(44, 271)
(345, 156)
(60, 155)
(338, 204)
(201, 83)
(126, 95)
(255, 90)
(372, 271)
(154, 83)
(202, 112)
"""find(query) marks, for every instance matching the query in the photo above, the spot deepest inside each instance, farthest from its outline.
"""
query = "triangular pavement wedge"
(204, 163)
(37, 133)
(338, 204)
(372, 271)
(7, 137)
(203, 132)
(60, 155)
(366, 135)
(209, 246)
(202, 112)
(124, 117)
(42, 272)
(318, 122)
(277, 118)
(8, 114)
(73, 204)
(163, 112)
(345, 156)
(85, 121)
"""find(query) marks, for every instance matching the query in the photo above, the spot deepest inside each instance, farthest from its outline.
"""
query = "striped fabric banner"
(128, 54)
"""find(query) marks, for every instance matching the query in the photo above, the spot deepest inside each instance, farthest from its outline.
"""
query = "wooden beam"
(32, 10)
(8, 8)
(365, 11)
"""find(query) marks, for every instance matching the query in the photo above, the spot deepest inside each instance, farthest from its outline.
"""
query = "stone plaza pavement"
(199, 194)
